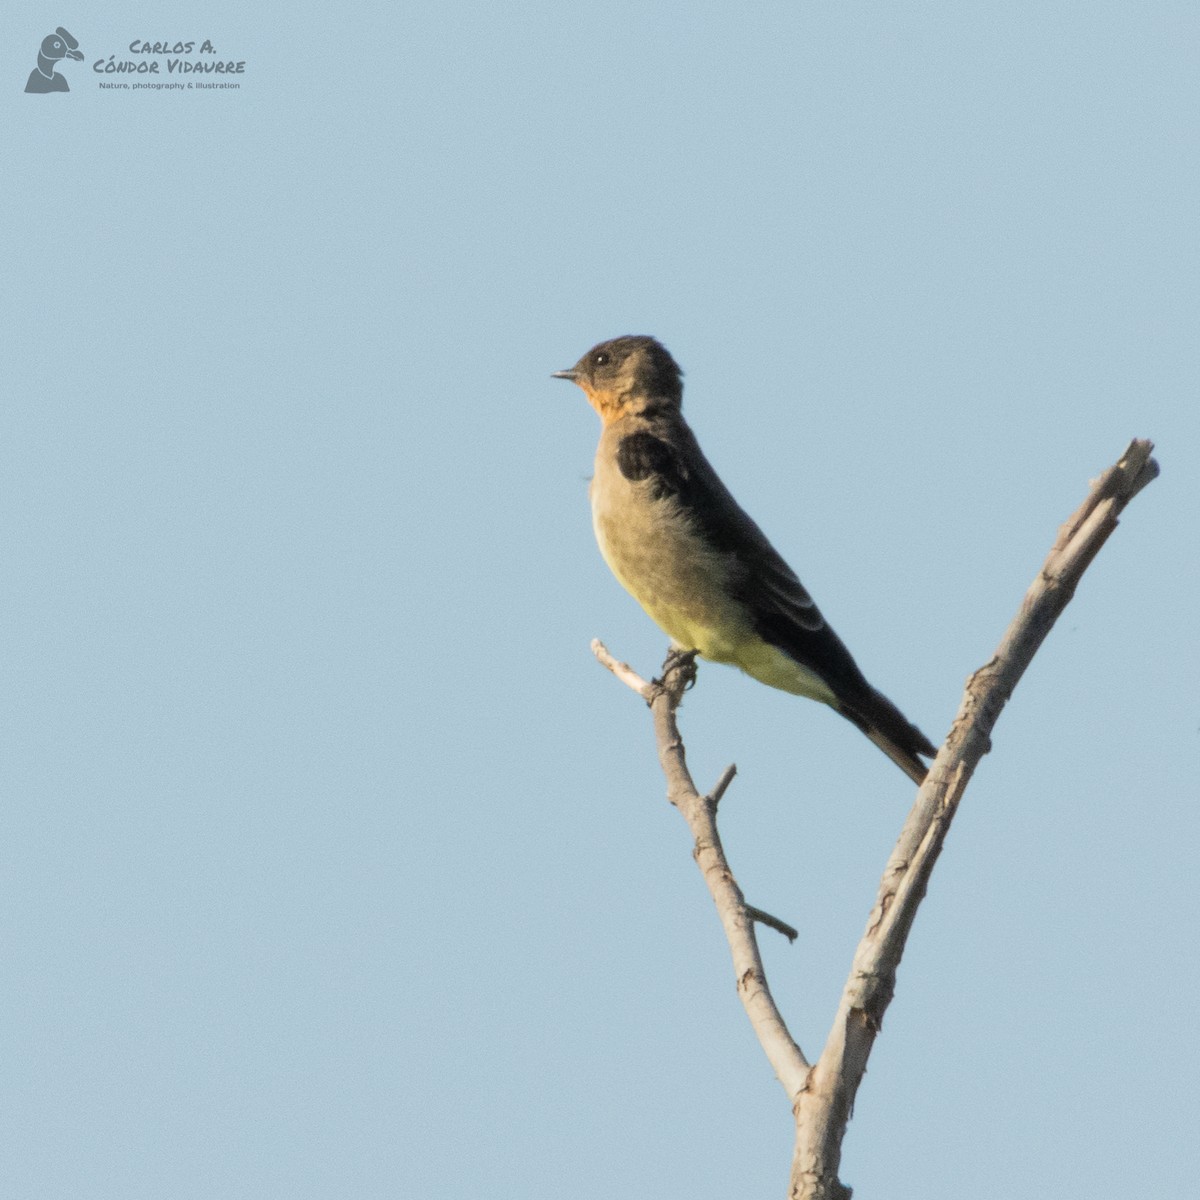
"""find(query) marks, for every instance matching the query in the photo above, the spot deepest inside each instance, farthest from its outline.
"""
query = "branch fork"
(822, 1094)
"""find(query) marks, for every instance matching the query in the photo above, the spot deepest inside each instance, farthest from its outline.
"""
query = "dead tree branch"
(700, 812)
(824, 1107)
(822, 1095)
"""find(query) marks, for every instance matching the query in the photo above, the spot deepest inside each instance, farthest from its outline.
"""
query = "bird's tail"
(888, 728)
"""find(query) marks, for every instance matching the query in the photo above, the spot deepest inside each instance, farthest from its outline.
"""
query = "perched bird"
(678, 542)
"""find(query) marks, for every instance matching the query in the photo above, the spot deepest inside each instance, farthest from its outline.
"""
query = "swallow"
(704, 572)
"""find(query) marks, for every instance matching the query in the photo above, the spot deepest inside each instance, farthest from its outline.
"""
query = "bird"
(679, 543)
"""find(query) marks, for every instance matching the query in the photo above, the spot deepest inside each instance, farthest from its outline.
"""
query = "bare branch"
(825, 1107)
(700, 812)
(823, 1096)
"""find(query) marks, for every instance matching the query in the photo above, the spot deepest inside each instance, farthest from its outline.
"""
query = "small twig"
(622, 670)
(765, 918)
(722, 784)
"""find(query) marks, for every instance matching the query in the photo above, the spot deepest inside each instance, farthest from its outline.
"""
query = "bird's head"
(628, 375)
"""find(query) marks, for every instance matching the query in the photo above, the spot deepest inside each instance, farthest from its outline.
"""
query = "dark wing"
(782, 611)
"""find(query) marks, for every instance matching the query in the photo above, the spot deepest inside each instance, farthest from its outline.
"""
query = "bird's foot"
(679, 673)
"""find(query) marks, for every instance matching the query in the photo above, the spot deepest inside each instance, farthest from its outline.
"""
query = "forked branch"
(822, 1095)
(700, 812)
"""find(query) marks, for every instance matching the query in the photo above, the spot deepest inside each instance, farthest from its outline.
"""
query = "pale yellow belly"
(680, 582)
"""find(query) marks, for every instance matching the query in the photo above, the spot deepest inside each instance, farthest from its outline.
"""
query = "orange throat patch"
(606, 403)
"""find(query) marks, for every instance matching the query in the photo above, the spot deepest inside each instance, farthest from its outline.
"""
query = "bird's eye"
(600, 360)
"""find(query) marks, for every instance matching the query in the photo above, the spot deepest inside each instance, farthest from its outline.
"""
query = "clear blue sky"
(332, 863)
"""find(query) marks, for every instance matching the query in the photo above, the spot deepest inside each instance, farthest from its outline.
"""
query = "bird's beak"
(77, 55)
(571, 375)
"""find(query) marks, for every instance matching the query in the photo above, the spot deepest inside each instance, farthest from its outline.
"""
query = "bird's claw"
(679, 673)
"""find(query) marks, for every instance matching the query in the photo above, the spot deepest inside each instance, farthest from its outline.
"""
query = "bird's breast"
(659, 555)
